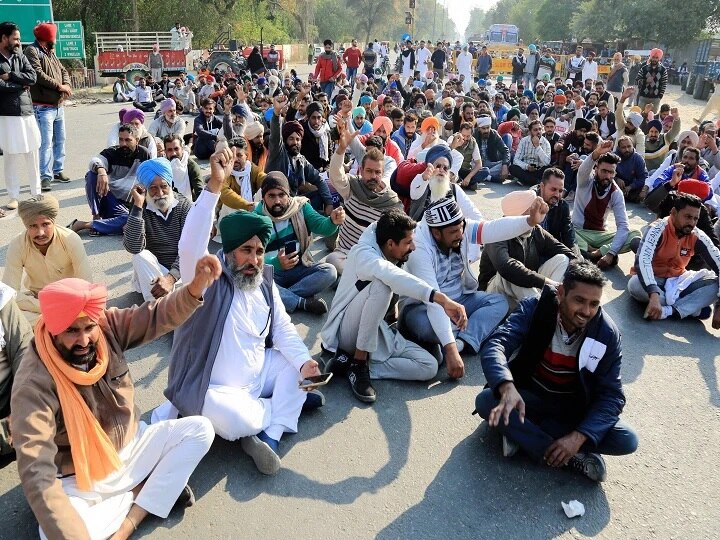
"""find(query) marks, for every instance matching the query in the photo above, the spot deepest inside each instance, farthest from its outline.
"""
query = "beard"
(161, 203)
(277, 210)
(243, 281)
(294, 150)
(439, 187)
(74, 359)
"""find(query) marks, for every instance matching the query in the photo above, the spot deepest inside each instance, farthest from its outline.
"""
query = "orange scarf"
(93, 454)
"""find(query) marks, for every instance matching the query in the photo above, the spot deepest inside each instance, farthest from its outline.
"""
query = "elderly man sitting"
(522, 266)
(187, 174)
(239, 359)
(45, 252)
(153, 229)
(89, 467)
(297, 277)
(169, 122)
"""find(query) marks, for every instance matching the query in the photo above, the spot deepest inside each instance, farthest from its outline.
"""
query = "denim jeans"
(328, 87)
(51, 121)
(495, 168)
(546, 421)
(351, 74)
(480, 176)
(484, 310)
(529, 81)
(303, 282)
(113, 213)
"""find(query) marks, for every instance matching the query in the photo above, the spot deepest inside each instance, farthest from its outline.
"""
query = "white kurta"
(464, 67)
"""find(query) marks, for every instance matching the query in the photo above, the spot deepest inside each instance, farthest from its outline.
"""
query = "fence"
(82, 78)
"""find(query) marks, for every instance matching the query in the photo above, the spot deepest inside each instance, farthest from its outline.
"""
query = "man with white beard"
(187, 174)
(153, 229)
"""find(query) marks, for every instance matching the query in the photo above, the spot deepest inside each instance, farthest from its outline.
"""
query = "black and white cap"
(442, 213)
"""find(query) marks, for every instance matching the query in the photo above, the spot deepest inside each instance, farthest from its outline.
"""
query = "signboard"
(26, 14)
(70, 41)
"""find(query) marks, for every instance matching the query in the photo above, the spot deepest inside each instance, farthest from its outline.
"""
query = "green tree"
(552, 21)
(477, 23)
(523, 14)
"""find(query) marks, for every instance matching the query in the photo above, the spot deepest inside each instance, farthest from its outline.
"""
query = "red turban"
(657, 52)
(695, 187)
(45, 32)
(291, 127)
(68, 299)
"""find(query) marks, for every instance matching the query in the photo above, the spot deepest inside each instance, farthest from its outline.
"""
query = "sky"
(459, 10)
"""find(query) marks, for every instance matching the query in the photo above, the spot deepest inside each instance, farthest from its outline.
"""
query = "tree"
(552, 21)
(522, 14)
(477, 23)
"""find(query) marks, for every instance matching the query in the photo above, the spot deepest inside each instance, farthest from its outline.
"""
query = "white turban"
(484, 121)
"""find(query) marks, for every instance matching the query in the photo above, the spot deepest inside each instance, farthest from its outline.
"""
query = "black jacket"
(557, 222)
(518, 259)
(496, 149)
(15, 97)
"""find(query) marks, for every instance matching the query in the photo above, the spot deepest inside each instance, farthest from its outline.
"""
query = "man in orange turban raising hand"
(89, 467)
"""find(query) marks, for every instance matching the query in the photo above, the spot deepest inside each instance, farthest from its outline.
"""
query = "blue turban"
(532, 107)
(148, 170)
(529, 93)
(438, 151)
(239, 110)
(365, 100)
(655, 123)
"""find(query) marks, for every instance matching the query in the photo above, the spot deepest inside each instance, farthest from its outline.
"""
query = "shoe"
(460, 344)
(704, 313)
(12, 205)
(61, 177)
(266, 459)
(509, 447)
(186, 498)
(272, 443)
(316, 306)
(45, 185)
(314, 400)
(359, 377)
(589, 464)
(339, 364)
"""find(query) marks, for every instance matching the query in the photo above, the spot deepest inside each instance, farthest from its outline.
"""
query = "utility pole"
(136, 18)
(434, 13)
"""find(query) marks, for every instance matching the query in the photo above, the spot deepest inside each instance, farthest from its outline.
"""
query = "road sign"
(26, 14)
(70, 41)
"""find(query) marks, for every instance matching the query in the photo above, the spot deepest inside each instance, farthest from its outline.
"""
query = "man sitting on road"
(89, 467)
(688, 168)
(532, 156)
(245, 179)
(153, 230)
(522, 266)
(297, 277)
(187, 174)
(630, 173)
(142, 96)
(472, 171)
(44, 252)
(553, 372)
(493, 151)
(441, 260)
(557, 222)
(597, 194)
(206, 129)
(366, 197)
(108, 183)
(238, 359)
(366, 347)
(660, 276)
(169, 122)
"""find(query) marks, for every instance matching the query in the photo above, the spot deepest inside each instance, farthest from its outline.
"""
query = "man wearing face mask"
(19, 133)
(297, 276)
(366, 346)
(153, 229)
(49, 92)
(187, 174)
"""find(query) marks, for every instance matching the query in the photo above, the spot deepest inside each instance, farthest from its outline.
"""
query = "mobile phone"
(316, 380)
(290, 247)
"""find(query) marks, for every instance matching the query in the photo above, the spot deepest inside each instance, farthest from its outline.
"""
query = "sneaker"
(704, 313)
(359, 377)
(12, 205)
(186, 498)
(266, 459)
(61, 177)
(45, 185)
(316, 306)
(314, 400)
(460, 344)
(509, 447)
(589, 464)
(339, 364)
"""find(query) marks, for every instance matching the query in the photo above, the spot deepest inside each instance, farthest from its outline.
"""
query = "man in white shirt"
(590, 67)
(142, 97)
(238, 360)
(422, 55)
(532, 156)
(464, 67)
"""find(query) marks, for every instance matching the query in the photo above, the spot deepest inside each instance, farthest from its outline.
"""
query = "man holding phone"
(294, 220)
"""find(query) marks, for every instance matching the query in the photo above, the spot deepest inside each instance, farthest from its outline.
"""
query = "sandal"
(95, 233)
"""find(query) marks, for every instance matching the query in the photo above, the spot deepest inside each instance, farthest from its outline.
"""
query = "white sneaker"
(460, 344)
(12, 205)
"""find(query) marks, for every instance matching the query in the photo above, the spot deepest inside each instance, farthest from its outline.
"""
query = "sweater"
(632, 171)
(145, 229)
(50, 74)
(651, 81)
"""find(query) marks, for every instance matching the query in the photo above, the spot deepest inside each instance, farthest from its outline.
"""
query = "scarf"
(323, 134)
(385, 200)
(333, 58)
(181, 178)
(243, 180)
(295, 214)
(93, 453)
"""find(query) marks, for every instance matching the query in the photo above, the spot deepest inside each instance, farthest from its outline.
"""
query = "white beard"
(439, 187)
(163, 202)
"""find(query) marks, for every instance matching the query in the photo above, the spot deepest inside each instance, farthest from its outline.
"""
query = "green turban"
(239, 227)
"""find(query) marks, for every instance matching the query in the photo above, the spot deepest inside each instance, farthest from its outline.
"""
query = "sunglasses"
(442, 167)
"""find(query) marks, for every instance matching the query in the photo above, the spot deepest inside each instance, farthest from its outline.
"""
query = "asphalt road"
(417, 464)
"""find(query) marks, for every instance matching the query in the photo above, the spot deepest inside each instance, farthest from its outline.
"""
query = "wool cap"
(443, 213)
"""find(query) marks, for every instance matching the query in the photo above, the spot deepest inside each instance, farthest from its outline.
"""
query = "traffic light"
(411, 4)
(408, 17)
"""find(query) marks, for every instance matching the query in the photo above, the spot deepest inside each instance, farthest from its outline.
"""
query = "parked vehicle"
(128, 52)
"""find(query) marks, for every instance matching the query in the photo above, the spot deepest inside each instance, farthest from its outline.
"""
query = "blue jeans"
(529, 81)
(113, 213)
(303, 282)
(328, 87)
(570, 178)
(51, 121)
(351, 74)
(495, 168)
(480, 176)
(484, 310)
(546, 421)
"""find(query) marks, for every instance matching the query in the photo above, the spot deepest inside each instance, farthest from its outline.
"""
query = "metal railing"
(136, 41)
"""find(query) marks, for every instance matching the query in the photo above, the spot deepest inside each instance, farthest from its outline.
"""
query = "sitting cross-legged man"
(89, 467)
(553, 373)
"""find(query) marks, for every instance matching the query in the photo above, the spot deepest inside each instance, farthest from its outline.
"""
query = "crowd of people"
(383, 169)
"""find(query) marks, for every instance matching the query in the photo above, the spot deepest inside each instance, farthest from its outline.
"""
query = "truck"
(128, 53)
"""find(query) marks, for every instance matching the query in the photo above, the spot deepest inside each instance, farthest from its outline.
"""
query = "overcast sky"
(459, 10)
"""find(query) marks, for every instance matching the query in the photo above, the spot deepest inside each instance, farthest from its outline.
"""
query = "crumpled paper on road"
(573, 508)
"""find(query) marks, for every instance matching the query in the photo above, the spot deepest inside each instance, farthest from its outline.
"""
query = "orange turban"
(429, 122)
(382, 121)
(68, 299)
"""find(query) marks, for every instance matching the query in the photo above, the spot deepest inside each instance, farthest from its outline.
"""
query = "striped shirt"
(159, 235)
(357, 217)
(450, 274)
(558, 372)
(529, 154)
